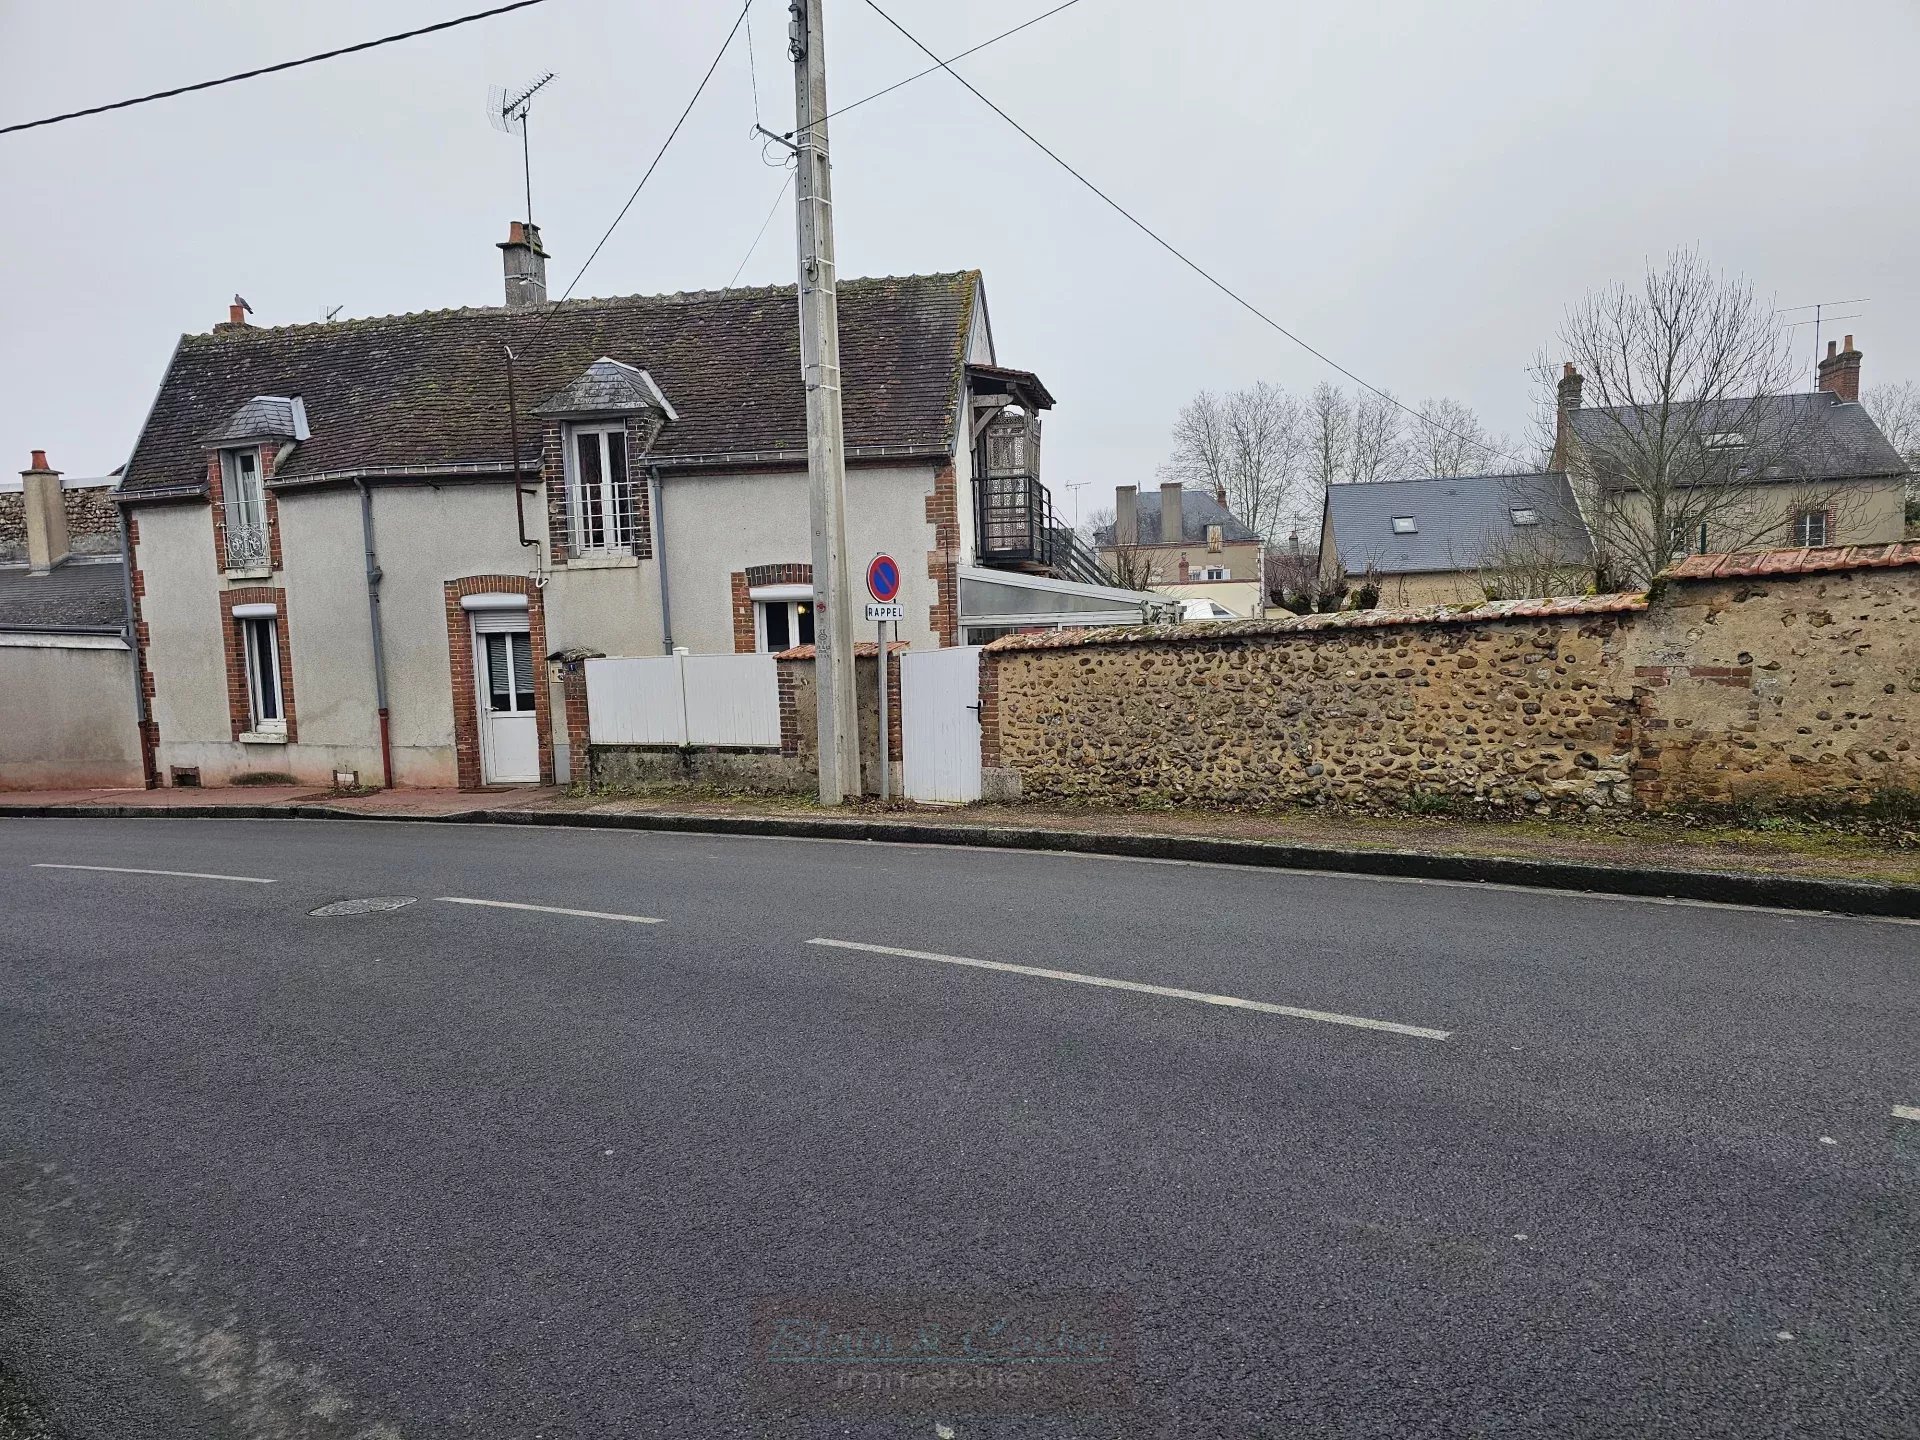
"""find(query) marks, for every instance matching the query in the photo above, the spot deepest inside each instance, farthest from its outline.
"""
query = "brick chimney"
(1172, 532)
(236, 319)
(46, 509)
(1840, 372)
(1126, 515)
(526, 266)
(1567, 394)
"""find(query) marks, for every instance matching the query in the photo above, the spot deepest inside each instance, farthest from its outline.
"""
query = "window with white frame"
(1810, 527)
(782, 624)
(1212, 572)
(245, 505)
(600, 490)
(266, 706)
(508, 657)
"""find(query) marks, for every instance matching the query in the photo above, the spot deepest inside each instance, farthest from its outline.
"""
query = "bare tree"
(1249, 446)
(1377, 450)
(1687, 437)
(1330, 425)
(1133, 566)
(1453, 442)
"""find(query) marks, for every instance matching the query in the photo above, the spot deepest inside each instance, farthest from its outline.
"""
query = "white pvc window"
(1810, 527)
(1213, 572)
(245, 504)
(508, 660)
(782, 624)
(600, 489)
(260, 639)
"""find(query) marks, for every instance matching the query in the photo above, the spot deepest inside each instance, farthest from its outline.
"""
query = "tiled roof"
(1799, 437)
(74, 595)
(1461, 523)
(1198, 510)
(1797, 562)
(1562, 607)
(417, 391)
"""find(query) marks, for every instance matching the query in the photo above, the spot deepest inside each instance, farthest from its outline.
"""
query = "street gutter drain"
(363, 907)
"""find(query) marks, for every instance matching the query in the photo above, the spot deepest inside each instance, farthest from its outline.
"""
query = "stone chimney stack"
(46, 509)
(1840, 372)
(1126, 516)
(526, 266)
(1568, 394)
(1172, 532)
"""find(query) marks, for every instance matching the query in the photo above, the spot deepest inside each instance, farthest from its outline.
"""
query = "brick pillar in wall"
(989, 709)
(787, 680)
(573, 686)
(743, 638)
(943, 561)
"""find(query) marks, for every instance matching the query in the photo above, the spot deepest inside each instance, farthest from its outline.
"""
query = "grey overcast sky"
(1416, 188)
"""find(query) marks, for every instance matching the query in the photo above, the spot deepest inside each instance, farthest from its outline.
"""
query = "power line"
(761, 233)
(921, 74)
(1168, 246)
(699, 90)
(753, 71)
(271, 69)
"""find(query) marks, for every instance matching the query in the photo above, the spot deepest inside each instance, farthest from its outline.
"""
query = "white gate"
(940, 723)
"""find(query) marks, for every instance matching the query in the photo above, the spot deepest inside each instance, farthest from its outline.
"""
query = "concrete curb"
(1785, 892)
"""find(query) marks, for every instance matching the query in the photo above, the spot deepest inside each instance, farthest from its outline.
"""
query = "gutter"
(660, 557)
(379, 644)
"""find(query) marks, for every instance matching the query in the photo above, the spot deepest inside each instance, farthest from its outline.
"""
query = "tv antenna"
(1819, 315)
(508, 115)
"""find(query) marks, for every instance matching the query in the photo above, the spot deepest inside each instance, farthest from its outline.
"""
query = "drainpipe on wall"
(520, 491)
(660, 557)
(379, 644)
(149, 766)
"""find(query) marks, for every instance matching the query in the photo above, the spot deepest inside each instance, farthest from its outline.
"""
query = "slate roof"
(607, 387)
(429, 390)
(1459, 521)
(75, 595)
(1820, 560)
(259, 418)
(1823, 437)
(1198, 510)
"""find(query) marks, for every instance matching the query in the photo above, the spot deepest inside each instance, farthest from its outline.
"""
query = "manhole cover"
(363, 907)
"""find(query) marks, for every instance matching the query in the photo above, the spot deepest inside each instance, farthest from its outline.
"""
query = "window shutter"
(499, 622)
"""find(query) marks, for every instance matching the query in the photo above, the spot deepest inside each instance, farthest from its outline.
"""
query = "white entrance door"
(503, 670)
(940, 723)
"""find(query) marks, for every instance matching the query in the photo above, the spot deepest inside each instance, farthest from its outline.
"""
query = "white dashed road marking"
(551, 910)
(1906, 1112)
(1168, 992)
(177, 874)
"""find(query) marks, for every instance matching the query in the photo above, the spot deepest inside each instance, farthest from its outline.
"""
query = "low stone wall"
(618, 767)
(1769, 678)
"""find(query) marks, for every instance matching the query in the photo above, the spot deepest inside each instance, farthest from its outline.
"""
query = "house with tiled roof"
(1187, 544)
(356, 545)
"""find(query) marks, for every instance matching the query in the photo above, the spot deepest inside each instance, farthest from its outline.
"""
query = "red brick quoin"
(234, 644)
(466, 702)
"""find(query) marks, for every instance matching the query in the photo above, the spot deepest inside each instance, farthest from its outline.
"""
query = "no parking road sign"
(883, 579)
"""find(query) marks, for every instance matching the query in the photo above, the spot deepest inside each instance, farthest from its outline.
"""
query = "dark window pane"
(499, 682)
(593, 531)
(805, 613)
(778, 635)
(266, 679)
(522, 672)
(620, 484)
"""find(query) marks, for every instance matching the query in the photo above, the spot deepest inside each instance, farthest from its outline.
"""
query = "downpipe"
(379, 643)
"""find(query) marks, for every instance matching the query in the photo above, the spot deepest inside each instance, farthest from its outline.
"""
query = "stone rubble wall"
(93, 524)
(1719, 689)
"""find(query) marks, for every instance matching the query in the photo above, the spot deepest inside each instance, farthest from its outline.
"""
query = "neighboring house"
(345, 570)
(93, 524)
(1185, 544)
(1448, 541)
(67, 700)
(1762, 472)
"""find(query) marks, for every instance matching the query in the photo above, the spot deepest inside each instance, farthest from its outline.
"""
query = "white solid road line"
(1906, 1112)
(551, 910)
(1232, 1002)
(178, 874)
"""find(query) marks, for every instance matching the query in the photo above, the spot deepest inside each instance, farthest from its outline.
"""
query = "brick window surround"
(234, 645)
(466, 699)
(742, 584)
(217, 491)
(555, 435)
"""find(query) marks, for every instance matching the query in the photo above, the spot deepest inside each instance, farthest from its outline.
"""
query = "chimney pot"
(1830, 349)
(39, 460)
(1566, 369)
(1847, 349)
(235, 315)
(1840, 372)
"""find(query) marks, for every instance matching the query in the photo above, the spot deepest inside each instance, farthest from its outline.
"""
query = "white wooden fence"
(684, 700)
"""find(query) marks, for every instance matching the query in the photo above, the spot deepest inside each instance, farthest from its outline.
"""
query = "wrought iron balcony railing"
(246, 546)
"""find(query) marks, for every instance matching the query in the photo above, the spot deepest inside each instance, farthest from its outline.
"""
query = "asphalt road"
(1628, 1169)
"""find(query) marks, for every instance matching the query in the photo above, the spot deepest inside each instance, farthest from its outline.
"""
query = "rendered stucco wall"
(66, 714)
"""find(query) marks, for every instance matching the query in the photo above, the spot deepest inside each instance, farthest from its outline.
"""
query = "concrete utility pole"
(826, 446)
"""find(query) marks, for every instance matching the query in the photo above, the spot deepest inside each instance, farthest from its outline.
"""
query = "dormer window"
(244, 501)
(1524, 515)
(1725, 440)
(1404, 525)
(600, 489)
